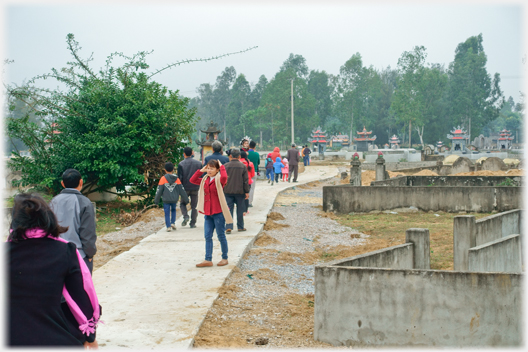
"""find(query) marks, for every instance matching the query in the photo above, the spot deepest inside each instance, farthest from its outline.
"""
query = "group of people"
(217, 186)
(50, 249)
(52, 300)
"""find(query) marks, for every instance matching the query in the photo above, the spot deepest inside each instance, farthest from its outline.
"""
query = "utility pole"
(292, 132)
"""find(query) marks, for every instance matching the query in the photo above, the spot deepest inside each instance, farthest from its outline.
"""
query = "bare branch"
(204, 60)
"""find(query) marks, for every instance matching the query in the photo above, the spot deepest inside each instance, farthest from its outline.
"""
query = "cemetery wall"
(502, 255)
(455, 181)
(346, 198)
(357, 306)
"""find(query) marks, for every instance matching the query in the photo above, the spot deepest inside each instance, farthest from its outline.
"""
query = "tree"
(116, 126)
(320, 88)
(475, 98)
(408, 102)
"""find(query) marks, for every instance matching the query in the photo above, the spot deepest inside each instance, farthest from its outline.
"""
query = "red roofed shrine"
(505, 139)
(364, 140)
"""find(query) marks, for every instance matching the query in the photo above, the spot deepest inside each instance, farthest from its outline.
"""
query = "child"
(212, 203)
(278, 166)
(286, 170)
(269, 169)
(170, 189)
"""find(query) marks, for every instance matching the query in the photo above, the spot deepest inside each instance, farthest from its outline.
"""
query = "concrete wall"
(396, 257)
(454, 181)
(346, 199)
(423, 308)
(502, 255)
(469, 233)
(410, 155)
(497, 226)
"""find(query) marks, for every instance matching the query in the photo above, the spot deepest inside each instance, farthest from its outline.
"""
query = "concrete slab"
(154, 297)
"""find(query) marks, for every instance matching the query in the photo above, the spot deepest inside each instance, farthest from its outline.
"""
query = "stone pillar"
(421, 247)
(355, 173)
(464, 238)
(380, 169)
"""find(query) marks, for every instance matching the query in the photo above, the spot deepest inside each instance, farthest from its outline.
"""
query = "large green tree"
(116, 126)
(474, 97)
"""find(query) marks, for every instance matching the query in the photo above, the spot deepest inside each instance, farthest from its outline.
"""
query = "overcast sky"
(326, 35)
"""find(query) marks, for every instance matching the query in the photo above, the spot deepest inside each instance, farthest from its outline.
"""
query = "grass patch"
(109, 215)
(390, 228)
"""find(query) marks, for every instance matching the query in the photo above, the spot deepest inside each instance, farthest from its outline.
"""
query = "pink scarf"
(87, 326)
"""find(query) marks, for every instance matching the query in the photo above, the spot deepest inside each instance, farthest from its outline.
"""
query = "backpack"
(269, 163)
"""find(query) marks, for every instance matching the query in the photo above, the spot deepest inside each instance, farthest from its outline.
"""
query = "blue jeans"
(306, 160)
(215, 221)
(170, 213)
(269, 174)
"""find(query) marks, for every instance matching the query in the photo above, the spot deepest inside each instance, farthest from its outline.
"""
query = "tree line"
(418, 101)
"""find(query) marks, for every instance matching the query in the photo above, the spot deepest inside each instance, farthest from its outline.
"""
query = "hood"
(276, 150)
(171, 178)
(269, 155)
(278, 160)
(284, 159)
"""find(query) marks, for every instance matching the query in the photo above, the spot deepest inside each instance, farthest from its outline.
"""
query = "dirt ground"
(114, 243)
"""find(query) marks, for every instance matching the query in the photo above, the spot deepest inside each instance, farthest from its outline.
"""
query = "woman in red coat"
(212, 203)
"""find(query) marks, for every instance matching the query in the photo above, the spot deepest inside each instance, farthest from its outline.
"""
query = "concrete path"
(153, 296)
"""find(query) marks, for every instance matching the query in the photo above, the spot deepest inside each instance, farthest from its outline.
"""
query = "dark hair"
(71, 178)
(31, 211)
(243, 155)
(214, 163)
(187, 151)
(169, 166)
(217, 146)
(252, 144)
(242, 141)
(235, 153)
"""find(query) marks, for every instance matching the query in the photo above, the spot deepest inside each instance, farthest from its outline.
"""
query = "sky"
(325, 34)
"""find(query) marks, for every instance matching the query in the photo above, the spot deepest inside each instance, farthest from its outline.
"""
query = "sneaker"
(192, 226)
(251, 205)
(295, 181)
(173, 226)
(228, 231)
(272, 183)
(269, 180)
(169, 229)
(241, 230)
(184, 222)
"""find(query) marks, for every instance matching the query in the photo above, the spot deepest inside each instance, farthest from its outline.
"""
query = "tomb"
(364, 140)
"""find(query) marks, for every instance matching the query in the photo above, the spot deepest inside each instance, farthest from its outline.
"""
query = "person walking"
(270, 175)
(251, 176)
(237, 188)
(254, 157)
(186, 169)
(285, 170)
(217, 154)
(212, 203)
(306, 155)
(170, 189)
(277, 168)
(76, 213)
(293, 161)
(41, 268)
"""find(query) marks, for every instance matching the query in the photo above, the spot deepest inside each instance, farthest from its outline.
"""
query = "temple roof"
(212, 128)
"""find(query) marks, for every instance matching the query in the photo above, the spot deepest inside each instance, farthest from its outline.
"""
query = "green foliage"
(117, 127)
(507, 183)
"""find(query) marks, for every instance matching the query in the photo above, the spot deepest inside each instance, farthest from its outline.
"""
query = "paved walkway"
(153, 296)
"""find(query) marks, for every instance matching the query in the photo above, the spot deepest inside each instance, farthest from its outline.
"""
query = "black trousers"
(193, 196)
(294, 170)
(239, 200)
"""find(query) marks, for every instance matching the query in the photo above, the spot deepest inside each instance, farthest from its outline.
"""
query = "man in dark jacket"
(186, 169)
(236, 189)
(217, 154)
(77, 213)
(170, 189)
(293, 162)
(306, 157)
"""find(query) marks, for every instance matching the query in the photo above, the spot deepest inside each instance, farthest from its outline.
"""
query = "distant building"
(505, 140)
(364, 140)
(458, 139)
